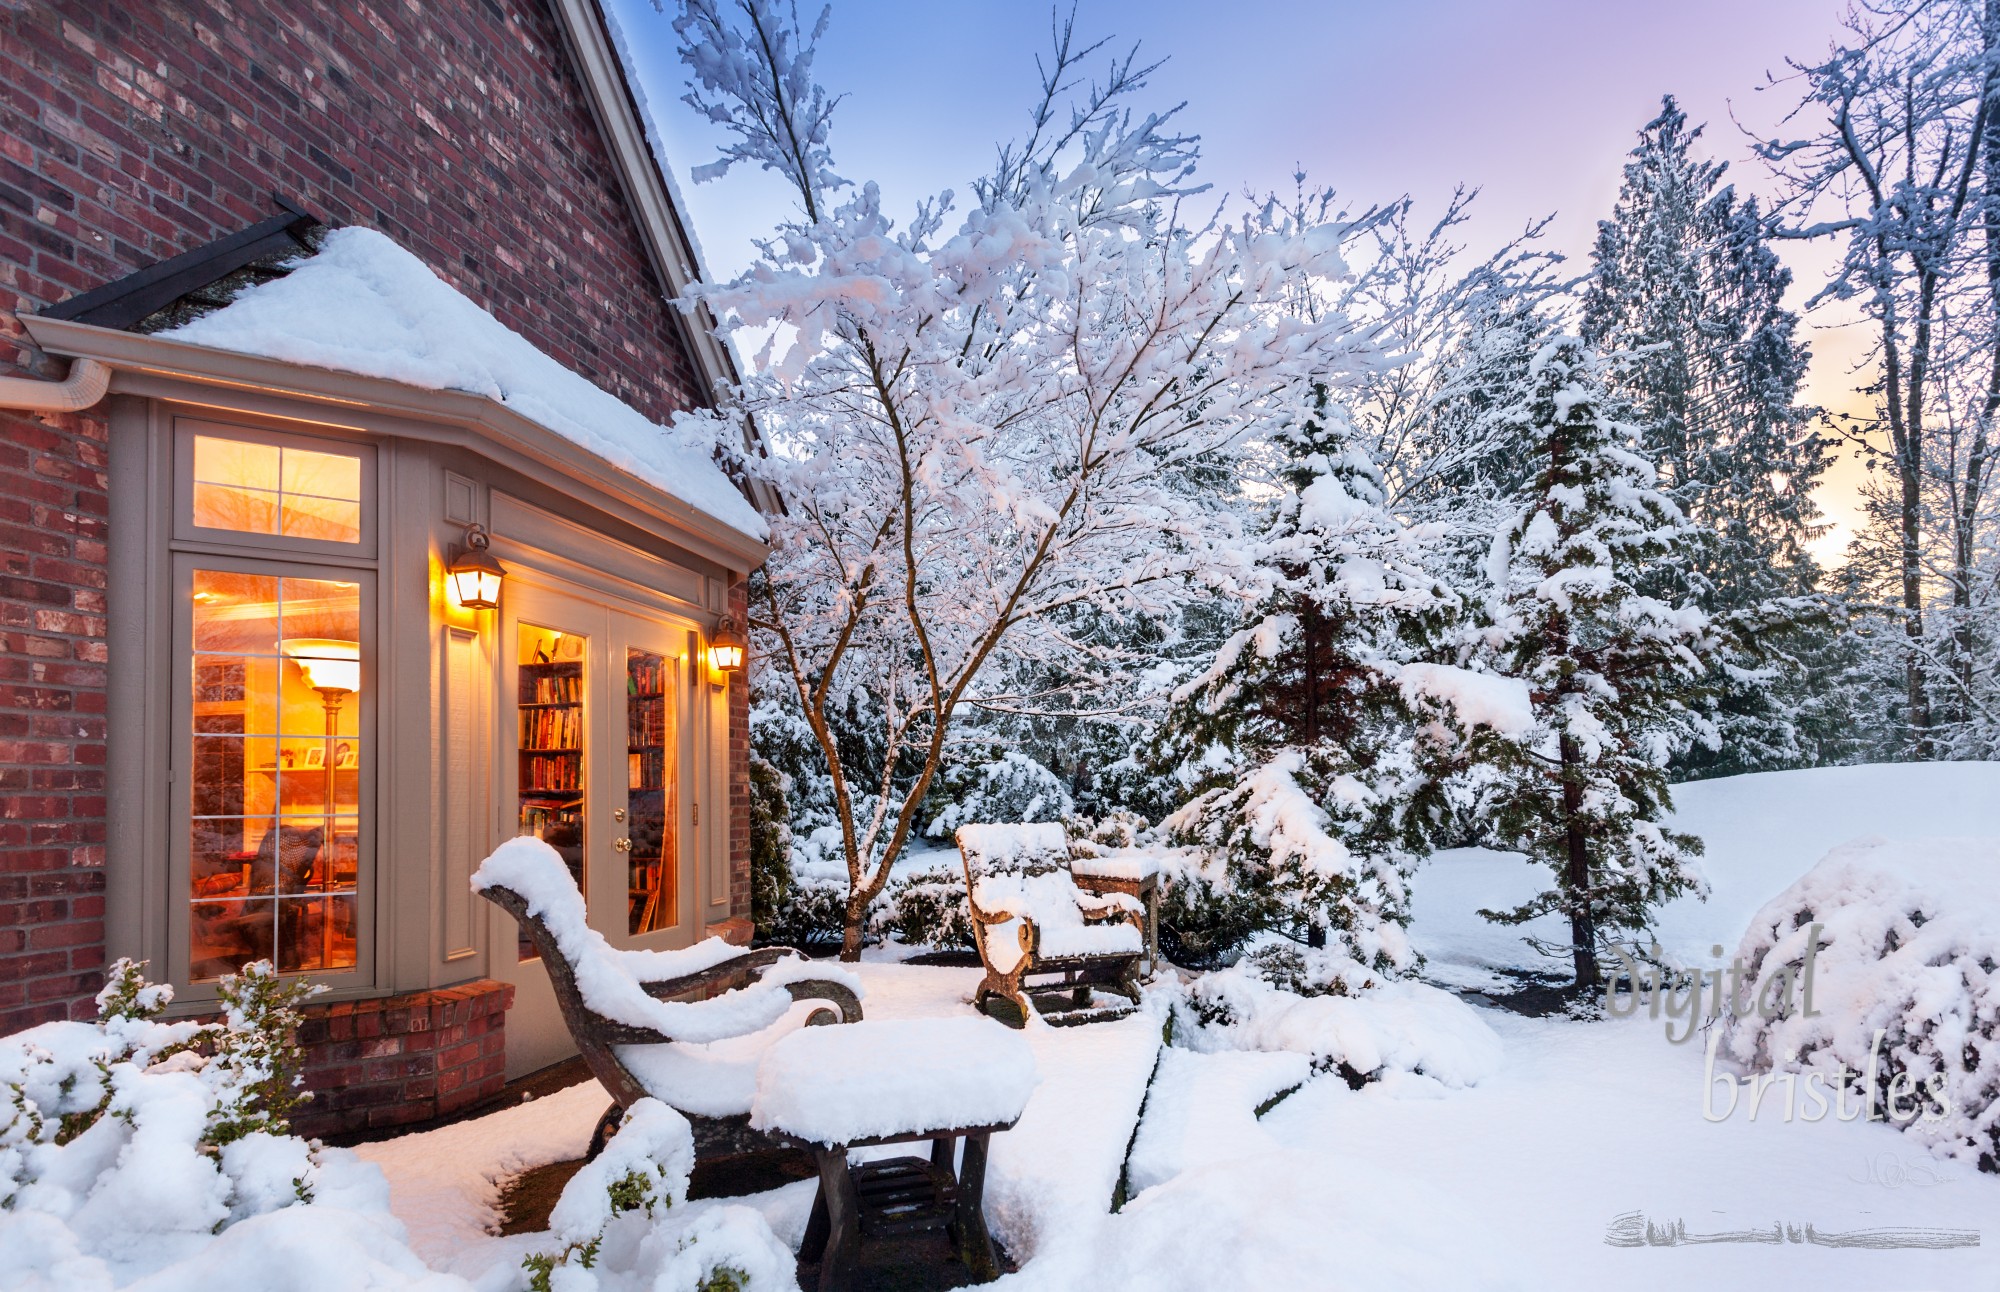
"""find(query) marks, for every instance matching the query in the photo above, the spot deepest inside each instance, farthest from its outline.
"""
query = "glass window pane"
(277, 763)
(246, 511)
(268, 489)
(242, 463)
(330, 475)
(550, 770)
(316, 934)
(331, 520)
(652, 896)
(226, 935)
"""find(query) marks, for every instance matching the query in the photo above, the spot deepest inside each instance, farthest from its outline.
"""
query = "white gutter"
(87, 381)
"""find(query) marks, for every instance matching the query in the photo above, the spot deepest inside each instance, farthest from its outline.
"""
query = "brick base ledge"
(400, 1059)
(737, 929)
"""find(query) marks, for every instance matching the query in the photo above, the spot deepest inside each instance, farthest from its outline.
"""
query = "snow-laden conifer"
(1613, 675)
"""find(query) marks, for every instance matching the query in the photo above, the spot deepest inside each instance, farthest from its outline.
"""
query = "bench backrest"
(1012, 849)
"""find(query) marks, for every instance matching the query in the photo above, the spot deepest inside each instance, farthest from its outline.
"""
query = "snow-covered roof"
(365, 305)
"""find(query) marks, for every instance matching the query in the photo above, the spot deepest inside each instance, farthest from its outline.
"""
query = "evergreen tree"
(1687, 295)
(1302, 757)
(1613, 675)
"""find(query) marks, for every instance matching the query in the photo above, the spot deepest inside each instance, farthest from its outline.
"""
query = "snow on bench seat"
(1057, 906)
(867, 1080)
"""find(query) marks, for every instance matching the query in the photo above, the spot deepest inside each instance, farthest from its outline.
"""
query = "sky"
(1535, 102)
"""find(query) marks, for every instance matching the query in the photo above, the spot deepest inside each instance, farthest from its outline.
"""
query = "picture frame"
(570, 647)
(344, 755)
(316, 756)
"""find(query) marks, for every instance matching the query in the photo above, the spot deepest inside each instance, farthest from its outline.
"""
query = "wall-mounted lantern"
(474, 576)
(727, 647)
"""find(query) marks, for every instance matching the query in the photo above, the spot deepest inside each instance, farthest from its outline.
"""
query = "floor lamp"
(332, 668)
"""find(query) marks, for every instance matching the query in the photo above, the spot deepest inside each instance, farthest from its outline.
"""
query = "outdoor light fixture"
(727, 646)
(474, 576)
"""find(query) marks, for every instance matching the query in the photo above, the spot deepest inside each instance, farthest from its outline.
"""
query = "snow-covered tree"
(1302, 753)
(1611, 673)
(973, 412)
(1687, 301)
(1900, 166)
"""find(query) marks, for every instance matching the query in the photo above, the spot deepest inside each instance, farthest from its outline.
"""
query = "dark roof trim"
(123, 303)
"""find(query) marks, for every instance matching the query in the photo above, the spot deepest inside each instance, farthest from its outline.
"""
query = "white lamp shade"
(327, 663)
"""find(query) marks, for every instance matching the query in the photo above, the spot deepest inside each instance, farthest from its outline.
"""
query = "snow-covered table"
(896, 1082)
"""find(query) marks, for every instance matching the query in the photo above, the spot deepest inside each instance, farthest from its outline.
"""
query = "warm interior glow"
(253, 488)
(276, 764)
(328, 665)
(725, 657)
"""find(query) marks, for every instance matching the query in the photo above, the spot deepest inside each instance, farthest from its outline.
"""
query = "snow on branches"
(978, 417)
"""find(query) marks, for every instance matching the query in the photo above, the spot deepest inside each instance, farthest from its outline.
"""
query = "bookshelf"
(649, 740)
(551, 769)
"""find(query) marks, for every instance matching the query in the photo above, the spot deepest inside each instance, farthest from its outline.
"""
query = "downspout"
(87, 381)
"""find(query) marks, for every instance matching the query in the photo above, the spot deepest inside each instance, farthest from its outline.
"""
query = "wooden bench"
(599, 1039)
(1042, 938)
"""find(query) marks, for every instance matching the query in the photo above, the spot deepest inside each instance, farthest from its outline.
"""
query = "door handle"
(621, 845)
(618, 814)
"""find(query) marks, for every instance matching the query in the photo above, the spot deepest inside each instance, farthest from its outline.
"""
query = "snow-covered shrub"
(1339, 1014)
(129, 1143)
(1909, 947)
(1011, 789)
(813, 907)
(927, 908)
(1205, 914)
(770, 844)
(622, 1225)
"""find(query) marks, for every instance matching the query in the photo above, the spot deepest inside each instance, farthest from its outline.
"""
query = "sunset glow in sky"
(1536, 102)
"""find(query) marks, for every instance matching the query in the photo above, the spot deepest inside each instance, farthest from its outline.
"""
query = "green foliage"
(770, 845)
(257, 1059)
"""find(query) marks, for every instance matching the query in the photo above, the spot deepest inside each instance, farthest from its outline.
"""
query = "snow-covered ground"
(1525, 1178)
(1760, 833)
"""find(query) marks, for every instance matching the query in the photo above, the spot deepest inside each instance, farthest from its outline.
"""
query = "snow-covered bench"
(686, 1027)
(1030, 920)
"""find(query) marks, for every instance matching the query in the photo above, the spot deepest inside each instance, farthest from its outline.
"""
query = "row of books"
(566, 689)
(646, 769)
(645, 674)
(645, 723)
(551, 729)
(550, 772)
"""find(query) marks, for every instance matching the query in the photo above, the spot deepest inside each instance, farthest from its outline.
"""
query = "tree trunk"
(1582, 922)
(850, 929)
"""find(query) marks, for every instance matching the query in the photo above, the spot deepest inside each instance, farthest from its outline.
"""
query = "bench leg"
(975, 1244)
(843, 1220)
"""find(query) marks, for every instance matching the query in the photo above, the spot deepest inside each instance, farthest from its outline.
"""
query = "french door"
(595, 709)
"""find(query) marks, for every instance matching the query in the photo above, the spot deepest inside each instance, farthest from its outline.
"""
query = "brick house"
(304, 306)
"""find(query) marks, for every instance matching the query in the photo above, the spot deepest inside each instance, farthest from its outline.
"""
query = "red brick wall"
(403, 1059)
(132, 132)
(52, 675)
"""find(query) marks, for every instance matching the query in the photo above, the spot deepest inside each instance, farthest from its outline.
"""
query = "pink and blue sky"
(1534, 101)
